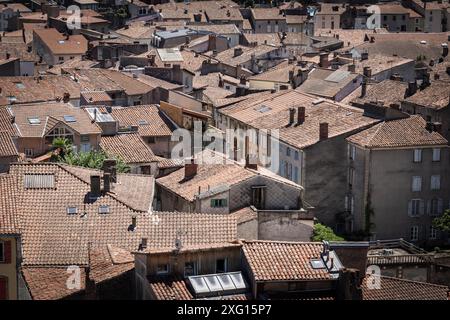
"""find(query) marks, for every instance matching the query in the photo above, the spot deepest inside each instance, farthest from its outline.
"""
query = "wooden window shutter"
(7, 248)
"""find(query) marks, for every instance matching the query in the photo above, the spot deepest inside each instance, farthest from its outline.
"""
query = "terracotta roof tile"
(9, 216)
(270, 260)
(129, 147)
(7, 146)
(245, 214)
(150, 119)
(57, 43)
(169, 288)
(341, 118)
(409, 132)
(103, 267)
(401, 289)
(49, 115)
(436, 96)
(50, 283)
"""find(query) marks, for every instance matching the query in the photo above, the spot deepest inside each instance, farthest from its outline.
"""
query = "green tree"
(322, 232)
(63, 144)
(91, 159)
(443, 222)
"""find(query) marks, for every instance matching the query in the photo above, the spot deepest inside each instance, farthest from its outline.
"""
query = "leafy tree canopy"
(322, 232)
(443, 222)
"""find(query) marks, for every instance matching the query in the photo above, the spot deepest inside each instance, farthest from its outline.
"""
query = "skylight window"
(34, 120)
(72, 210)
(61, 41)
(317, 264)
(69, 119)
(103, 209)
(263, 109)
(143, 122)
(20, 85)
(12, 99)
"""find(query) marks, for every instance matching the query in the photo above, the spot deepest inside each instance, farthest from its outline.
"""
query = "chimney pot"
(323, 130)
(291, 115)
(323, 63)
(144, 243)
(190, 168)
(106, 182)
(95, 185)
(367, 72)
(109, 166)
(412, 88)
(300, 115)
(351, 68)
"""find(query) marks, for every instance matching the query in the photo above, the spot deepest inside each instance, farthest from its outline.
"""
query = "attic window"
(61, 41)
(317, 264)
(263, 108)
(19, 85)
(72, 210)
(69, 119)
(103, 209)
(34, 120)
(12, 99)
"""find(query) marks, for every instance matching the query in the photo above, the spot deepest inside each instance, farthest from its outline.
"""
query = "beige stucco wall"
(9, 270)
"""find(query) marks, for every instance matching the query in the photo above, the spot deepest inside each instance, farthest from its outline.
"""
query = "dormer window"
(162, 269)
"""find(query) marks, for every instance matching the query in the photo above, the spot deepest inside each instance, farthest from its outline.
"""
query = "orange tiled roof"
(409, 132)
(272, 260)
(7, 146)
(402, 289)
(129, 147)
(151, 121)
(9, 216)
(50, 283)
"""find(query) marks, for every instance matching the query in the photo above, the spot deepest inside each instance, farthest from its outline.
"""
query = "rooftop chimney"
(436, 76)
(363, 88)
(323, 130)
(412, 88)
(444, 49)
(8, 55)
(351, 67)
(106, 182)
(300, 115)
(95, 185)
(143, 243)
(291, 116)
(190, 168)
(109, 166)
(237, 52)
(364, 56)
(323, 63)
(437, 127)
(348, 286)
(66, 97)
(367, 72)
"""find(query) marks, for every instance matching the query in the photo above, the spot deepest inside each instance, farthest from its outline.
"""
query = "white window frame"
(433, 233)
(417, 155)
(415, 207)
(414, 233)
(435, 182)
(416, 186)
(436, 154)
(195, 268)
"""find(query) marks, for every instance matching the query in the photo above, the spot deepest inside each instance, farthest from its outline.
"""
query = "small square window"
(218, 203)
(29, 152)
(221, 265)
(190, 269)
(151, 140)
(72, 210)
(103, 209)
(162, 269)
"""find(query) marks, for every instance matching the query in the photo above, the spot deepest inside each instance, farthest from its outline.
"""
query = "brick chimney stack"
(324, 63)
(323, 131)
(95, 185)
(349, 286)
(291, 116)
(300, 115)
(190, 168)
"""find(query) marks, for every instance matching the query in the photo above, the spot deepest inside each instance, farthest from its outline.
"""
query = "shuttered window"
(416, 183)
